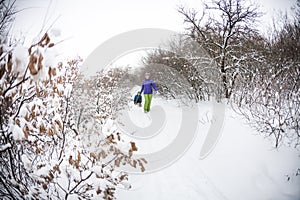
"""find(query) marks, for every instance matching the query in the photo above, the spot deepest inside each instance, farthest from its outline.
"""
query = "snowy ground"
(243, 165)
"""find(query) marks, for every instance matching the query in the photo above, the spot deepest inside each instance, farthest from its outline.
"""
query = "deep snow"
(243, 165)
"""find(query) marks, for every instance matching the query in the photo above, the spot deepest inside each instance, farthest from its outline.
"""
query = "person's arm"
(135, 98)
(142, 87)
(154, 86)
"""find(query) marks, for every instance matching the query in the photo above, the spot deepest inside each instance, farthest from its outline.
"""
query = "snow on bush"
(19, 60)
(51, 143)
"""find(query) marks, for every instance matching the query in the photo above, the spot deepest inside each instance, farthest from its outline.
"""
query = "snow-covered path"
(241, 166)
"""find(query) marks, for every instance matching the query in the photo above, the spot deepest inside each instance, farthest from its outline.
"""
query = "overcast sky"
(88, 23)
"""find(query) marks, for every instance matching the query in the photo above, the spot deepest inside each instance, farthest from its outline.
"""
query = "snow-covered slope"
(243, 165)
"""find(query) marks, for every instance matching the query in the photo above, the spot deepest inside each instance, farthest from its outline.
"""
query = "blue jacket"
(147, 86)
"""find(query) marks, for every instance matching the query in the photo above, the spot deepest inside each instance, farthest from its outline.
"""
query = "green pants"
(148, 98)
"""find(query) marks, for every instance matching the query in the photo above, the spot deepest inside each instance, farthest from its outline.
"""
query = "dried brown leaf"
(144, 160)
(119, 137)
(59, 123)
(71, 161)
(51, 45)
(17, 121)
(42, 128)
(45, 187)
(98, 191)
(26, 131)
(133, 146)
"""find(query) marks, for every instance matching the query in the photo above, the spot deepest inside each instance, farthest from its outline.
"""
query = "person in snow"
(147, 87)
(138, 99)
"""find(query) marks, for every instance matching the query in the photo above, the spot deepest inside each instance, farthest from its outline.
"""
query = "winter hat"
(147, 73)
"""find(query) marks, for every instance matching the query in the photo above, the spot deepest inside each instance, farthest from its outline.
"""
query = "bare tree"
(228, 25)
(7, 13)
(189, 61)
(269, 98)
